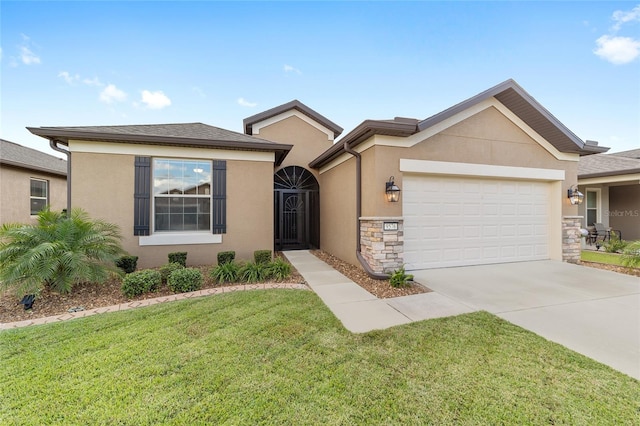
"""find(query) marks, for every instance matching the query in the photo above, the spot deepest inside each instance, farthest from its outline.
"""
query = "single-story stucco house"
(482, 182)
(29, 181)
(611, 185)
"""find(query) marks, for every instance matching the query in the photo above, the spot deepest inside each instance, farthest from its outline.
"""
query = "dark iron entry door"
(292, 219)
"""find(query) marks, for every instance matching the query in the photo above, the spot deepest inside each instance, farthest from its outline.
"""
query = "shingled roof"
(600, 165)
(17, 155)
(509, 93)
(178, 134)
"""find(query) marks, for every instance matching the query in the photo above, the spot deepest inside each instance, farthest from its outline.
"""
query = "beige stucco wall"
(485, 138)
(308, 142)
(624, 210)
(15, 190)
(103, 185)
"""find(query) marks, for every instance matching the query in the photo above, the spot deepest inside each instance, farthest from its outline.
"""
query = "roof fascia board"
(30, 167)
(362, 147)
(292, 113)
(631, 177)
(169, 151)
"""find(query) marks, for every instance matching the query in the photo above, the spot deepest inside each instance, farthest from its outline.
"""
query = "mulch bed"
(379, 288)
(615, 268)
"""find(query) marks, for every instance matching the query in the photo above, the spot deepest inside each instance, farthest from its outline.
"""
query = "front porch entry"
(296, 200)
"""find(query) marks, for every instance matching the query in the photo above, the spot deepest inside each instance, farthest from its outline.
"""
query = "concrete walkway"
(360, 311)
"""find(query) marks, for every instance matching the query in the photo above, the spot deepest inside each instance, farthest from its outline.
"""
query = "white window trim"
(31, 197)
(598, 191)
(179, 238)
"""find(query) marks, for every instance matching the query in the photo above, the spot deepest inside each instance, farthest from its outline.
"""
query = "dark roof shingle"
(17, 155)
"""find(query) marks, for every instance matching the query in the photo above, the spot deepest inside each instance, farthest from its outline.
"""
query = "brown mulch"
(379, 288)
(615, 268)
(91, 295)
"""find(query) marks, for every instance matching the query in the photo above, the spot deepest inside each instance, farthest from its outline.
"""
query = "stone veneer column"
(383, 250)
(571, 238)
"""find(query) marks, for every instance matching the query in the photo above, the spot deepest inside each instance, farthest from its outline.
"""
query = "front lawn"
(601, 257)
(281, 357)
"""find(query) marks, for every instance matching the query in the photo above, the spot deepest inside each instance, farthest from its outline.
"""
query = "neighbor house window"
(181, 195)
(39, 197)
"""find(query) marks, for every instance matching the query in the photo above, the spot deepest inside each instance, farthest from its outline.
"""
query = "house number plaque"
(389, 226)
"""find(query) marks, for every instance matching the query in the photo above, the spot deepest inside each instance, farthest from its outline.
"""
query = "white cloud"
(289, 68)
(155, 100)
(621, 17)
(92, 82)
(243, 102)
(111, 94)
(26, 55)
(617, 50)
(70, 79)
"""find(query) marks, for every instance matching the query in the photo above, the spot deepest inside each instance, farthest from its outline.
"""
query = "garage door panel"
(454, 221)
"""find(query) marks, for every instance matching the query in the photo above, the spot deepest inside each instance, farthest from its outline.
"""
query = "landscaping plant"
(127, 263)
(226, 272)
(253, 272)
(615, 244)
(631, 255)
(399, 278)
(185, 280)
(262, 256)
(226, 257)
(58, 251)
(141, 282)
(167, 269)
(279, 269)
(178, 257)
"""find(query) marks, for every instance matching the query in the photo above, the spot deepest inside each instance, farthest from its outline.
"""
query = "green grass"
(601, 257)
(281, 357)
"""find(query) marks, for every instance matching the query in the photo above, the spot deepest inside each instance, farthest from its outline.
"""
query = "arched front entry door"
(297, 209)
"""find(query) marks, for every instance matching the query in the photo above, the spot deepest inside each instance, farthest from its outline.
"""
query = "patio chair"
(598, 235)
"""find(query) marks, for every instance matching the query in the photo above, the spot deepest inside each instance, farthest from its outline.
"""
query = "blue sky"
(100, 63)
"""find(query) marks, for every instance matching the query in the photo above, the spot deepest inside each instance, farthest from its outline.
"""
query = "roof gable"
(20, 156)
(294, 105)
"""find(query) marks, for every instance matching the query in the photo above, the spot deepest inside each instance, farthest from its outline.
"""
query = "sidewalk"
(360, 311)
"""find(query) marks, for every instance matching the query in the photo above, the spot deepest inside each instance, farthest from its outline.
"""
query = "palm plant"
(59, 251)
(631, 255)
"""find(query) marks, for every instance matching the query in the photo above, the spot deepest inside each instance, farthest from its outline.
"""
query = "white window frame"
(598, 206)
(32, 197)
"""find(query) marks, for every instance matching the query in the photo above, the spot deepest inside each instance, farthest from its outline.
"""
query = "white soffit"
(633, 178)
(287, 114)
(169, 151)
(479, 170)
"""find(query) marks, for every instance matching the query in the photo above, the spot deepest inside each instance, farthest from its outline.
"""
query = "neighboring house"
(611, 185)
(484, 181)
(29, 181)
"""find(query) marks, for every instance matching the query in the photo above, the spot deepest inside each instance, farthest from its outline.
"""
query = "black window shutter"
(219, 197)
(142, 196)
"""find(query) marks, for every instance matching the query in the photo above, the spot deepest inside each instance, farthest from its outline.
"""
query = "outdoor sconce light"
(392, 191)
(575, 196)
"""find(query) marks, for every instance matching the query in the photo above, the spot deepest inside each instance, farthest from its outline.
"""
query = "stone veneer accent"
(383, 250)
(571, 238)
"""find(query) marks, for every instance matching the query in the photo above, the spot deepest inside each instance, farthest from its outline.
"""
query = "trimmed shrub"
(127, 263)
(137, 283)
(178, 257)
(262, 256)
(279, 269)
(226, 257)
(167, 269)
(615, 244)
(399, 278)
(184, 280)
(226, 272)
(253, 272)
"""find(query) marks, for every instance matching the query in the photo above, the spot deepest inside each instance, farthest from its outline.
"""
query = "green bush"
(226, 257)
(140, 282)
(631, 255)
(226, 272)
(167, 269)
(252, 272)
(127, 263)
(178, 257)
(262, 256)
(279, 269)
(614, 244)
(184, 280)
(399, 278)
(58, 251)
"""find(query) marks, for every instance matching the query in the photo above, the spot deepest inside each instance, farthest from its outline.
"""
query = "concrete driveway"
(591, 311)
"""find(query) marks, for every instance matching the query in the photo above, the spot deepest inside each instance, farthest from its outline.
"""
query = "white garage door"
(458, 221)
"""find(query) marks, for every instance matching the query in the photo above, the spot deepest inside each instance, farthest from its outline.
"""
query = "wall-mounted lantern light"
(392, 191)
(575, 196)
